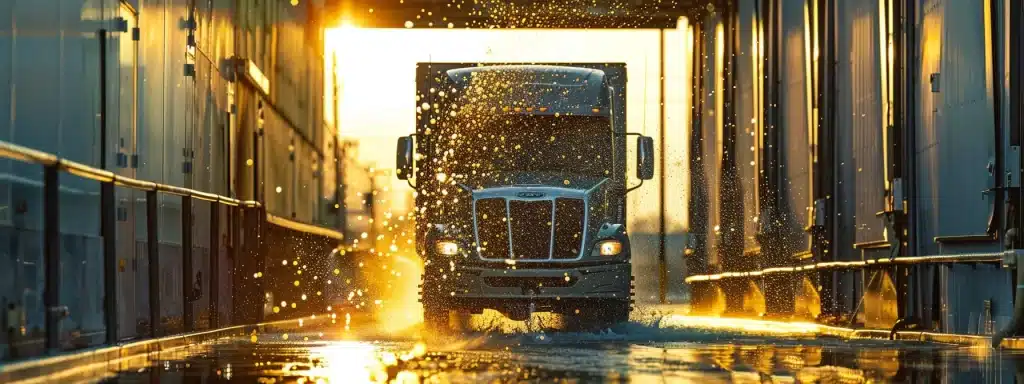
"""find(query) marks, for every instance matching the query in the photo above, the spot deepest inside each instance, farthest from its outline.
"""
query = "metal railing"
(54, 311)
(962, 258)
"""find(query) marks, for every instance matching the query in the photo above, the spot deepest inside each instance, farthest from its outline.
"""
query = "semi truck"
(520, 174)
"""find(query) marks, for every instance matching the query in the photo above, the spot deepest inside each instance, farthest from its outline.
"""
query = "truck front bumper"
(494, 286)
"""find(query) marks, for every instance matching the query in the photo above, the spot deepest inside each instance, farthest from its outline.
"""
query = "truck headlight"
(609, 247)
(447, 247)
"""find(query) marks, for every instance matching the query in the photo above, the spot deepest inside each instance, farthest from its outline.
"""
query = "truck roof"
(562, 88)
(556, 74)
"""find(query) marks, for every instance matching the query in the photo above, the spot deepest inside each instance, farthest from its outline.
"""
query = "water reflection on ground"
(633, 353)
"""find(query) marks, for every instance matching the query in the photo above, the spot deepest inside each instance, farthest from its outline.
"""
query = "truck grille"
(532, 225)
(569, 215)
(492, 228)
(531, 229)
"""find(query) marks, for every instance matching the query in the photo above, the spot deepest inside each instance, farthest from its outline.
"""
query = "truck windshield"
(490, 145)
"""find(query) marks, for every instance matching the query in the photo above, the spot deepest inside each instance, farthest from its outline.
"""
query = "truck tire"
(435, 318)
(597, 316)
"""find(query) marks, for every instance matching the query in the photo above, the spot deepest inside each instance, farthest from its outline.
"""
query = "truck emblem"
(530, 195)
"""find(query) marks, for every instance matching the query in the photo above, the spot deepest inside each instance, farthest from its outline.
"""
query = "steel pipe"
(962, 258)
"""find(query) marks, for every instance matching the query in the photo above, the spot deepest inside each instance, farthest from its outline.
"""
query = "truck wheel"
(435, 319)
(598, 316)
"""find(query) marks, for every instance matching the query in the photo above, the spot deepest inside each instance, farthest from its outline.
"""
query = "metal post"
(102, 36)
(234, 242)
(186, 263)
(153, 252)
(371, 208)
(339, 193)
(261, 256)
(696, 263)
(51, 255)
(256, 189)
(730, 195)
(108, 230)
(826, 168)
(247, 289)
(662, 262)
(214, 264)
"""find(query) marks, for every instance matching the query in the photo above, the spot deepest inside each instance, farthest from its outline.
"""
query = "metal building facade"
(172, 87)
(883, 169)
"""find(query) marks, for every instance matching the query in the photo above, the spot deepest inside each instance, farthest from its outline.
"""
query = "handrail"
(962, 258)
(28, 155)
(303, 227)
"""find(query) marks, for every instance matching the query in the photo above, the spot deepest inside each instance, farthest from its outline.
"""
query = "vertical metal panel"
(200, 274)
(281, 152)
(955, 146)
(134, 287)
(178, 112)
(51, 254)
(152, 85)
(108, 230)
(171, 252)
(153, 262)
(711, 129)
(306, 166)
(188, 317)
(748, 121)
(859, 133)
(214, 291)
(795, 133)
(82, 272)
(953, 154)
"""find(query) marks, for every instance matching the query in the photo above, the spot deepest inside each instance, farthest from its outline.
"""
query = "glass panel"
(21, 259)
(81, 272)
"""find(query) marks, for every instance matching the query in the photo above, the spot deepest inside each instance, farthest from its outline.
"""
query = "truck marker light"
(609, 247)
(543, 109)
(596, 110)
(447, 248)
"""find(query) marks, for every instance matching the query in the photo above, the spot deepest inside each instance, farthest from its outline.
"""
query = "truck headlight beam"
(446, 247)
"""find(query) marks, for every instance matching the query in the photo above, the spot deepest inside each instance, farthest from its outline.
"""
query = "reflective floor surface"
(635, 352)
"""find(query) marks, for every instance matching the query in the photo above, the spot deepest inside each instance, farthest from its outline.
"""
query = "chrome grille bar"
(511, 233)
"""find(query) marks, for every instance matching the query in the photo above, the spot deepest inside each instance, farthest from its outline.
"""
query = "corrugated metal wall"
(933, 155)
(860, 127)
(859, 170)
(49, 78)
(748, 117)
(711, 126)
(956, 154)
(169, 112)
(795, 131)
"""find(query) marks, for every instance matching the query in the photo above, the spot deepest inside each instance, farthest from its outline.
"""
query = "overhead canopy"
(551, 14)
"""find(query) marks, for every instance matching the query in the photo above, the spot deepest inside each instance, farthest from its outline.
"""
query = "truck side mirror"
(644, 158)
(404, 158)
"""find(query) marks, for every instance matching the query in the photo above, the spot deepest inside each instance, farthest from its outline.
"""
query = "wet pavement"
(640, 351)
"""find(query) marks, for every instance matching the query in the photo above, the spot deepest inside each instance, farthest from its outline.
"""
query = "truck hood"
(562, 184)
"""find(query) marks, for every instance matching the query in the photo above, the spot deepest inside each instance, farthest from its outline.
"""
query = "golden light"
(348, 362)
(746, 326)
(347, 25)
(447, 248)
(610, 247)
